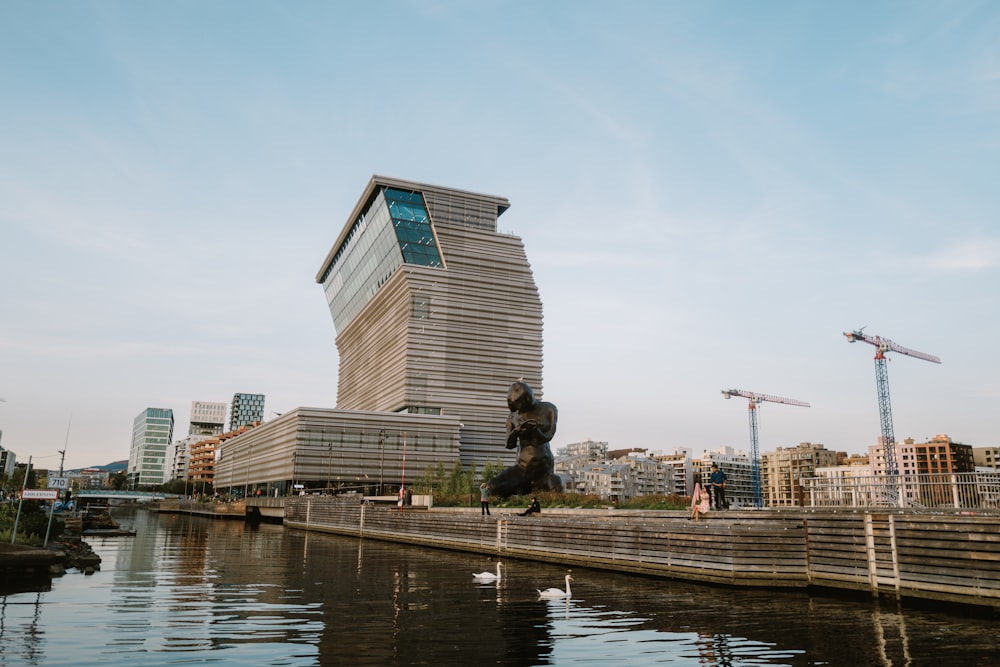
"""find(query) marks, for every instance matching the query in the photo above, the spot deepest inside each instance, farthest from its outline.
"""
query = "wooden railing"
(953, 557)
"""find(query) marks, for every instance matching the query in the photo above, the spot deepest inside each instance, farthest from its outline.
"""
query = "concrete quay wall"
(951, 557)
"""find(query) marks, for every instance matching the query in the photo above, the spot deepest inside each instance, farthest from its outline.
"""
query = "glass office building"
(152, 433)
(246, 410)
(435, 311)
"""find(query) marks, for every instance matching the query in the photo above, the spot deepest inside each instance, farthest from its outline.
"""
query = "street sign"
(39, 494)
(59, 483)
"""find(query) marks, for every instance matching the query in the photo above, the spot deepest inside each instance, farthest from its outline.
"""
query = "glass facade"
(246, 409)
(152, 432)
(395, 229)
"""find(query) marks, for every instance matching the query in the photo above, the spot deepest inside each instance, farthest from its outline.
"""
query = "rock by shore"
(69, 553)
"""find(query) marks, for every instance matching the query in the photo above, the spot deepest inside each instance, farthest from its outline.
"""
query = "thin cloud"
(60, 348)
(966, 256)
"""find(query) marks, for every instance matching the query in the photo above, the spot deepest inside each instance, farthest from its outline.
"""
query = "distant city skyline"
(710, 194)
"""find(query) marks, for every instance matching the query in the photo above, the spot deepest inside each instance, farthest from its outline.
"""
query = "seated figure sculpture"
(530, 426)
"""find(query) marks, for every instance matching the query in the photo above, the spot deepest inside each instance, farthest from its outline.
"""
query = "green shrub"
(31, 526)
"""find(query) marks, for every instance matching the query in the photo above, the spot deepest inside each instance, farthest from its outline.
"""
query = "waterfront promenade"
(949, 556)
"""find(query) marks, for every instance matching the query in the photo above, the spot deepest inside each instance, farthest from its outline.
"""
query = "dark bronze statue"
(530, 426)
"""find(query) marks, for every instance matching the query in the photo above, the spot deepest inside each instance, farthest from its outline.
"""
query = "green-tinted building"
(152, 433)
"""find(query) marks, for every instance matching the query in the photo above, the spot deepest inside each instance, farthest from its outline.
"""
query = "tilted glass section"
(395, 229)
(413, 227)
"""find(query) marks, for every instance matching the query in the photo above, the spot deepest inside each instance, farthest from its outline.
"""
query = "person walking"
(717, 480)
(484, 499)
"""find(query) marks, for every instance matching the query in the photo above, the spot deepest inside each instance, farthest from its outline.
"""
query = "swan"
(557, 593)
(488, 576)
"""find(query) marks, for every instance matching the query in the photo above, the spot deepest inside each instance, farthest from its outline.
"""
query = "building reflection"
(398, 605)
(194, 587)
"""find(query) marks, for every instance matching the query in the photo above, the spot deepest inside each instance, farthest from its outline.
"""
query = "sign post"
(39, 494)
(42, 494)
(17, 518)
(61, 483)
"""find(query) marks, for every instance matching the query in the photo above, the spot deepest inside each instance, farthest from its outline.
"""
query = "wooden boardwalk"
(953, 557)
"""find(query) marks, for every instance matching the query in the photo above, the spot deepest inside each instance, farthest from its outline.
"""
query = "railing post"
(954, 491)
(870, 550)
(894, 552)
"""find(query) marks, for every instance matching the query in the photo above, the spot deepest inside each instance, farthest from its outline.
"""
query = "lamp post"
(329, 464)
(246, 483)
(381, 458)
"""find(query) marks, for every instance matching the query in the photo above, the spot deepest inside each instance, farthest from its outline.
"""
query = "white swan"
(488, 576)
(557, 593)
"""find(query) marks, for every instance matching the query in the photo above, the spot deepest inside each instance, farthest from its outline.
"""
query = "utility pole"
(20, 501)
(62, 452)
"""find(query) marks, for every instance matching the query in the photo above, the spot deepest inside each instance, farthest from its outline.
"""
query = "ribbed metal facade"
(325, 448)
(435, 338)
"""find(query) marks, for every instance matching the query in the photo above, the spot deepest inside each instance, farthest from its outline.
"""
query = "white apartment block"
(207, 418)
(905, 455)
(739, 474)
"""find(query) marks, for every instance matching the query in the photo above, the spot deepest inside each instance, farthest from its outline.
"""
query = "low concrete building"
(326, 449)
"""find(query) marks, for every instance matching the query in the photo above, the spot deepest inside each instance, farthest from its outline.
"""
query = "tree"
(118, 481)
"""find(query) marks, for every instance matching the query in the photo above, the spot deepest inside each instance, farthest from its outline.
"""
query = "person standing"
(717, 480)
(484, 499)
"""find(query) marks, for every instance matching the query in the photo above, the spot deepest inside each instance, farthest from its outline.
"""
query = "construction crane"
(755, 400)
(883, 345)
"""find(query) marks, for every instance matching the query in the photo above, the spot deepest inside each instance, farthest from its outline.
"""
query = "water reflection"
(191, 591)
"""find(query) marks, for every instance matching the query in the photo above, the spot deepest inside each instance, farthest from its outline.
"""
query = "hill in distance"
(116, 466)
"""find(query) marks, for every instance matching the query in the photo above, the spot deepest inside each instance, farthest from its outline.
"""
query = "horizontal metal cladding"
(459, 358)
(448, 338)
(492, 313)
(337, 446)
(373, 357)
(262, 453)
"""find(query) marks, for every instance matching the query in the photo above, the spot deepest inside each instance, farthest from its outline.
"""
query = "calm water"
(189, 591)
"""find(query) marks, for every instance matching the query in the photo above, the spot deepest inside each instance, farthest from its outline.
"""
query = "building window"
(413, 227)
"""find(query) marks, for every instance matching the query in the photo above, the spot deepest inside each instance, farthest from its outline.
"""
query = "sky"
(710, 194)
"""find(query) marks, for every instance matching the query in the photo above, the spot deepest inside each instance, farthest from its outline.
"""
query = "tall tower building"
(246, 409)
(7, 461)
(435, 311)
(152, 433)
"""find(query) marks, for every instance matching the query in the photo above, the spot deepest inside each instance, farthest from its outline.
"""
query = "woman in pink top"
(699, 501)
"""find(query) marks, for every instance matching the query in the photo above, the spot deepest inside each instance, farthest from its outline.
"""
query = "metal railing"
(966, 490)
